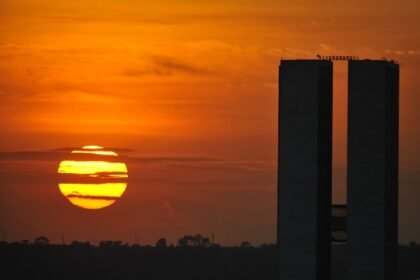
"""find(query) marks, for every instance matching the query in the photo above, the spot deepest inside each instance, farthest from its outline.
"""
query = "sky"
(186, 92)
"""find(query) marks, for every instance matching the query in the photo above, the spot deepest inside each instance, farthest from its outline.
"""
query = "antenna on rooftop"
(337, 57)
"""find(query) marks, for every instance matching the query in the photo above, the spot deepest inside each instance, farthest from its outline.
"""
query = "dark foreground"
(27, 261)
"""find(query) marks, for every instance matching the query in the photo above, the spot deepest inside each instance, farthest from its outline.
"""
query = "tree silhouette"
(245, 244)
(413, 244)
(183, 241)
(205, 242)
(110, 243)
(161, 243)
(41, 241)
(194, 241)
(79, 244)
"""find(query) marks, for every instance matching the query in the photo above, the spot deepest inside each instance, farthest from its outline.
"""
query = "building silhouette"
(372, 182)
(304, 194)
(369, 224)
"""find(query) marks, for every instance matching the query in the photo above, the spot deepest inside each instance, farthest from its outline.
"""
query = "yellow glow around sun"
(98, 194)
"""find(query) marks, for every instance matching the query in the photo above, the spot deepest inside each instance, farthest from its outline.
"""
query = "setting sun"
(92, 184)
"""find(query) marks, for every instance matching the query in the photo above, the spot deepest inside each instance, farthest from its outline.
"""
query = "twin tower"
(305, 169)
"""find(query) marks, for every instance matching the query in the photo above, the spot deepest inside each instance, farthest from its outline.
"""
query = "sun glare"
(92, 147)
(78, 177)
(103, 153)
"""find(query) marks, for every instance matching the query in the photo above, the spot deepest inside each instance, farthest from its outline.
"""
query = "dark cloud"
(138, 72)
(64, 153)
(202, 172)
(55, 156)
(100, 178)
(115, 149)
(32, 155)
(167, 66)
(95, 197)
(171, 65)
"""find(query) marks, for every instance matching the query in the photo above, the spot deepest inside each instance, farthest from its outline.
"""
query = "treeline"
(197, 241)
(192, 257)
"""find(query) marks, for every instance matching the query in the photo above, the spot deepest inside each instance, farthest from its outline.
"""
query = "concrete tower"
(304, 176)
(372, 221)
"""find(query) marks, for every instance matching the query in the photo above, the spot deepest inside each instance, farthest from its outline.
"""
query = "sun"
(92, 177)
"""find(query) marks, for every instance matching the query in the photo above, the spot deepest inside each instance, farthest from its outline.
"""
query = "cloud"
(32, 155)
(63, 153)
(95, 197)
(115, 149)
(173, 65)
(166, 66)
(403, 52)
(172, 213)
(184, 173)
(413, 52)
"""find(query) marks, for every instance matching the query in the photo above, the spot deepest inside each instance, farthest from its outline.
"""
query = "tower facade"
(372, 178)
(304, 177)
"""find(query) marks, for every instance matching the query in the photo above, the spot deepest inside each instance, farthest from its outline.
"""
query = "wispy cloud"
(184, 172)
(173, 214)
(173, 65)
(63, 153)
(167, 66)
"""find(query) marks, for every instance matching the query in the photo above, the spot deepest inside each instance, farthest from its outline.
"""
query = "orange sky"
(175, 79)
